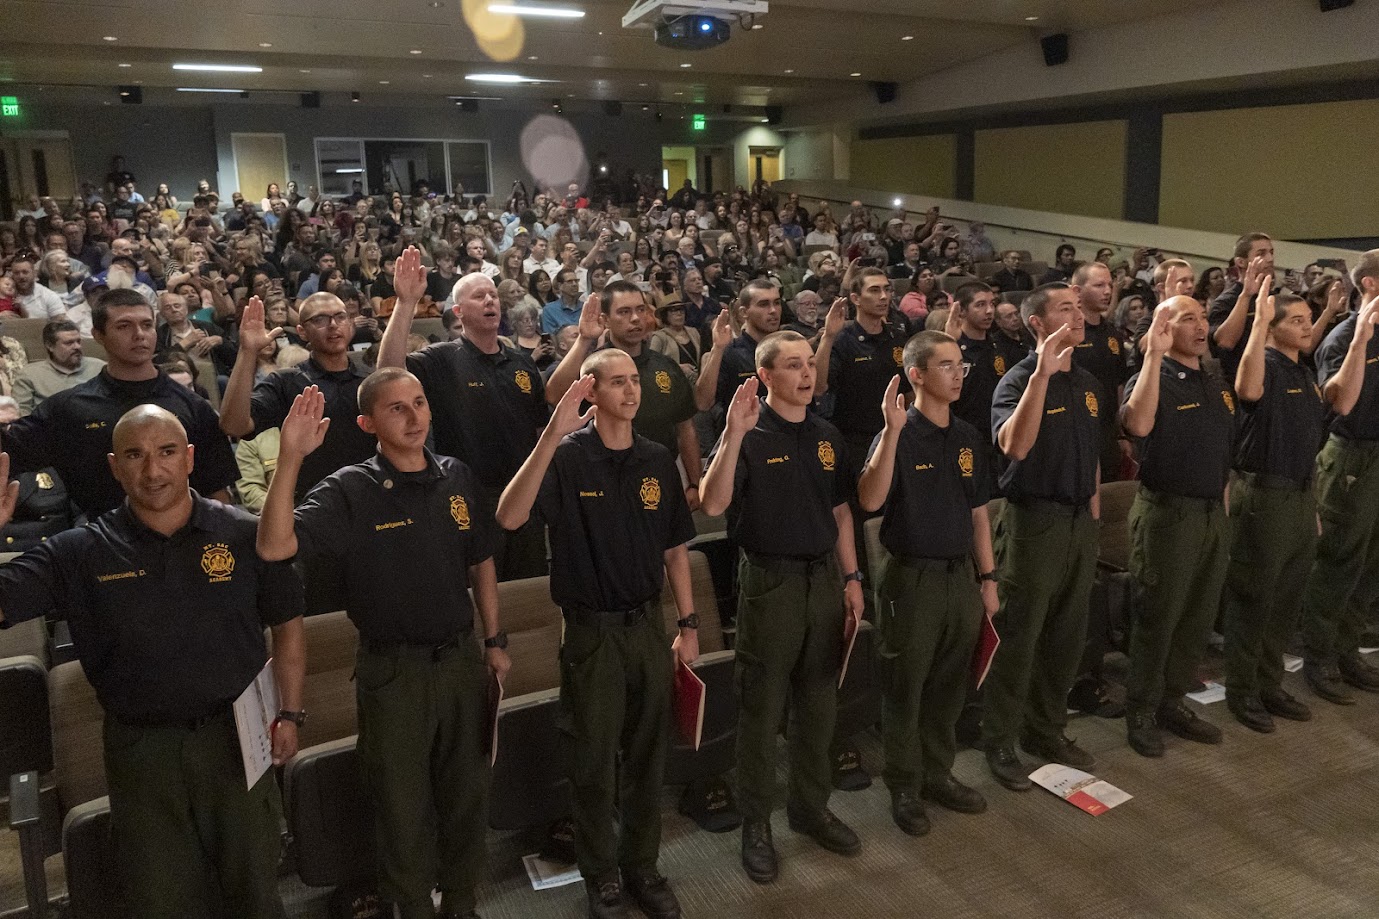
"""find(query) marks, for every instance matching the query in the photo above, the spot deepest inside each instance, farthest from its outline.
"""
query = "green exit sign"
(699, 123)
(9, 106)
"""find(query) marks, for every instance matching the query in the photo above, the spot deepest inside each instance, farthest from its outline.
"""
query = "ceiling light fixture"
(1031, 19)
(354, 97)
(509, 79)
(907, 38)
(126, 65)
(265, 44)
(415, 51)
(382, 82)
(304, 71)
(686, 66)
(109, 38)
(758, 27)
(854, 74)
(219, 68)
(540, 11)
(790, 70)
(199, 89)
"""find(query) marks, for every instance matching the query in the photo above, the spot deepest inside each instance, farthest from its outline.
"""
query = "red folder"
(987, 643)
(689, 694)
(495, 697)
(849, 639)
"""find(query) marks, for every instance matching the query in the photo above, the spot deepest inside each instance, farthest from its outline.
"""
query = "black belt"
(607, 617)
(389, 648)
(806, 565)
(220, 713)
(915, 562)
(1275, 482)
(1046, 506)
(1181, 502)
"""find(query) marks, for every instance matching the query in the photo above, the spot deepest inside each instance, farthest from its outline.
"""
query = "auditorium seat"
(1113, 591)
(29, 333)
(952, 282)
(427, 327)
(329, 816)
(986, 269)
(328, 694)
(900, 287)
(26, 761)
(715, 755)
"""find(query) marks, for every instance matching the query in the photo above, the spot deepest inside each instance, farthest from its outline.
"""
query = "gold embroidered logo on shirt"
(459, 511)
(899, 355)
(651, 493)
(218, 562)
(523, 381)
(1317, 389)
(826, 456)
(1230, 402)
(663, 381)
(43, 480)
(1114, 344)
(965, 462)
(1000, 364)
(1091, 404)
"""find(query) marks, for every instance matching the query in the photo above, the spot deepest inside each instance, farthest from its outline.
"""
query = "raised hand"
(409, 276)
(1336, 298)
(1160, 337)
(1264, 306)
(253, 335)
(591, 318)
(745, 408)
(1255, 274)
(893, 405)
(9, 493)
(566, 418)
(1365, 322)
(952, 326)
(305, 426)
(1050, 357)
(722, 330)
(837, 316)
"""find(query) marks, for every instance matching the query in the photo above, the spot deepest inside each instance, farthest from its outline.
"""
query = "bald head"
(609, 360)
(319, 302)
(144, 420)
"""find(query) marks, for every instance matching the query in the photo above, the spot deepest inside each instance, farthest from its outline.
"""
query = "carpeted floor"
(1261, 826)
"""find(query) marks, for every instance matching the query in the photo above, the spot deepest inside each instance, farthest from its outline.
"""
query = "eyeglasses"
(951, 368)
(325, 319)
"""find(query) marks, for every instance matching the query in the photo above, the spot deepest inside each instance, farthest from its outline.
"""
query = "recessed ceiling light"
(766, 121)
(641, 84)
(1031, 19)
(109, 38)
(678, 93)
(537, 10)
(304, 71)
(426, 76)
(508, 78)
(126, 65)
(790, 70)
(382, 82)
(907, 38)
(686, 66)
(854, 74)
(435, 4)
(646, 108)
(265, 44)
(219, 68)
(199, 89)
(758, 27)
(532, 57)
(415, 51)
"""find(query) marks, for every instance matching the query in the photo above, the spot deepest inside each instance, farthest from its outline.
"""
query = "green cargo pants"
(1046, 555)
(1179, 550)
(1340, 590)
(1273, 545)
(422, 724)
(615, 714)
(789, 650)
(929, 614)
(191, 841)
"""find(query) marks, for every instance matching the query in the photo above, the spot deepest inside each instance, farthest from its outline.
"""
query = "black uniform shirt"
(612, 515)
(403, 543)
(1101, 355)
(73, 432)
(1011, 349)
(986, 366)
(1189, 451)
(1363, 421)
(1282, 431)
(739, 364)
(667, 398)
(1219, 311)
(789, 478)
(859, 370)
(167, 628)
(940, 476)
(345, 443)
(487, 409)
(1062, 464)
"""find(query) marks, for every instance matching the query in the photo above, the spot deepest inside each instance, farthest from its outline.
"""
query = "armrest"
(25, 817)
(24, 810)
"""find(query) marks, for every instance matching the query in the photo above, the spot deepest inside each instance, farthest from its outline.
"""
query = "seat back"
(26, 737)
(329, 814)
(871, 532)
(428, 326)
(705, 604)
(952, 282)
(26, 639)
(533, 623)
(29, 333)
(88, 854)
(328, 694)
(78, 750)
(1113, 548)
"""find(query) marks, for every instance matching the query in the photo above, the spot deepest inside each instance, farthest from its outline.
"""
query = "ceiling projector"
(693, 27)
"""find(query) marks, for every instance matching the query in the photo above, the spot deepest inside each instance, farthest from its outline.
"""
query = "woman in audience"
(510, 266)
(1330, 303)
(525, 322)
(916, 303)
(166, 210)
(276, 316)
(950, 260)
(677, 341)
(1209, 286)
(674, 229)
(540, 288)
(166, 193)
(55, 272)
(642, 253)
(1124, 319)
(702, 247)
(368, 269)
(273, 194)
(1104, 255)
(27, 237)
(9, 245)
(822, 264)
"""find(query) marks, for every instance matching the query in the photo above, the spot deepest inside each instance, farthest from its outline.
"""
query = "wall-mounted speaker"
(1055, 49)
(774, 113)
(885, 92)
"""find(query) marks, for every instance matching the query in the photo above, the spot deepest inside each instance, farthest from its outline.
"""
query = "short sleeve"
(215, 467)
(35, 582)
(270, 403)
(979, 489)
(29, 441)
(484, 538)
(281, 597)
(546, 509)
(1331, 354)
(680, 525)
(321, 519)
(1006, 399)
(836, 359)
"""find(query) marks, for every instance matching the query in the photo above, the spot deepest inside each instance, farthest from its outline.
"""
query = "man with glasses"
(564, 311)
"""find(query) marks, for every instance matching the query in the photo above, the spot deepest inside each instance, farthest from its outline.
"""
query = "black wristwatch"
(297, 718)
(989, 576)
(689, 622)
(499, 640)
(853, 576)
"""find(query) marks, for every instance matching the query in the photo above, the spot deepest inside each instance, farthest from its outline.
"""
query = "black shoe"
(1325, 681)
(848, 774)
(1358, 672)
(1007, 769)
(1282, 705)
(908, 812)
(1058, 749)
(1250, 711)
(950, 793)
(653, 895)
(1092, 696)
(605, 900)
(758, 852)
(1175, 716)
(1143, 734)
(827, 830)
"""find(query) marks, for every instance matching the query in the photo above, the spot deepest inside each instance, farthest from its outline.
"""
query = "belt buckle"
(633, 616)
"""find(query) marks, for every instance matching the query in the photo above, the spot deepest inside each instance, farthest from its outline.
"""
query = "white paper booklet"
(255, 711)
(1079, 788)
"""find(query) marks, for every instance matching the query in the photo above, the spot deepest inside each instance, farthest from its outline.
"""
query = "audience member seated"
(1011, 276)
(65, 367)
